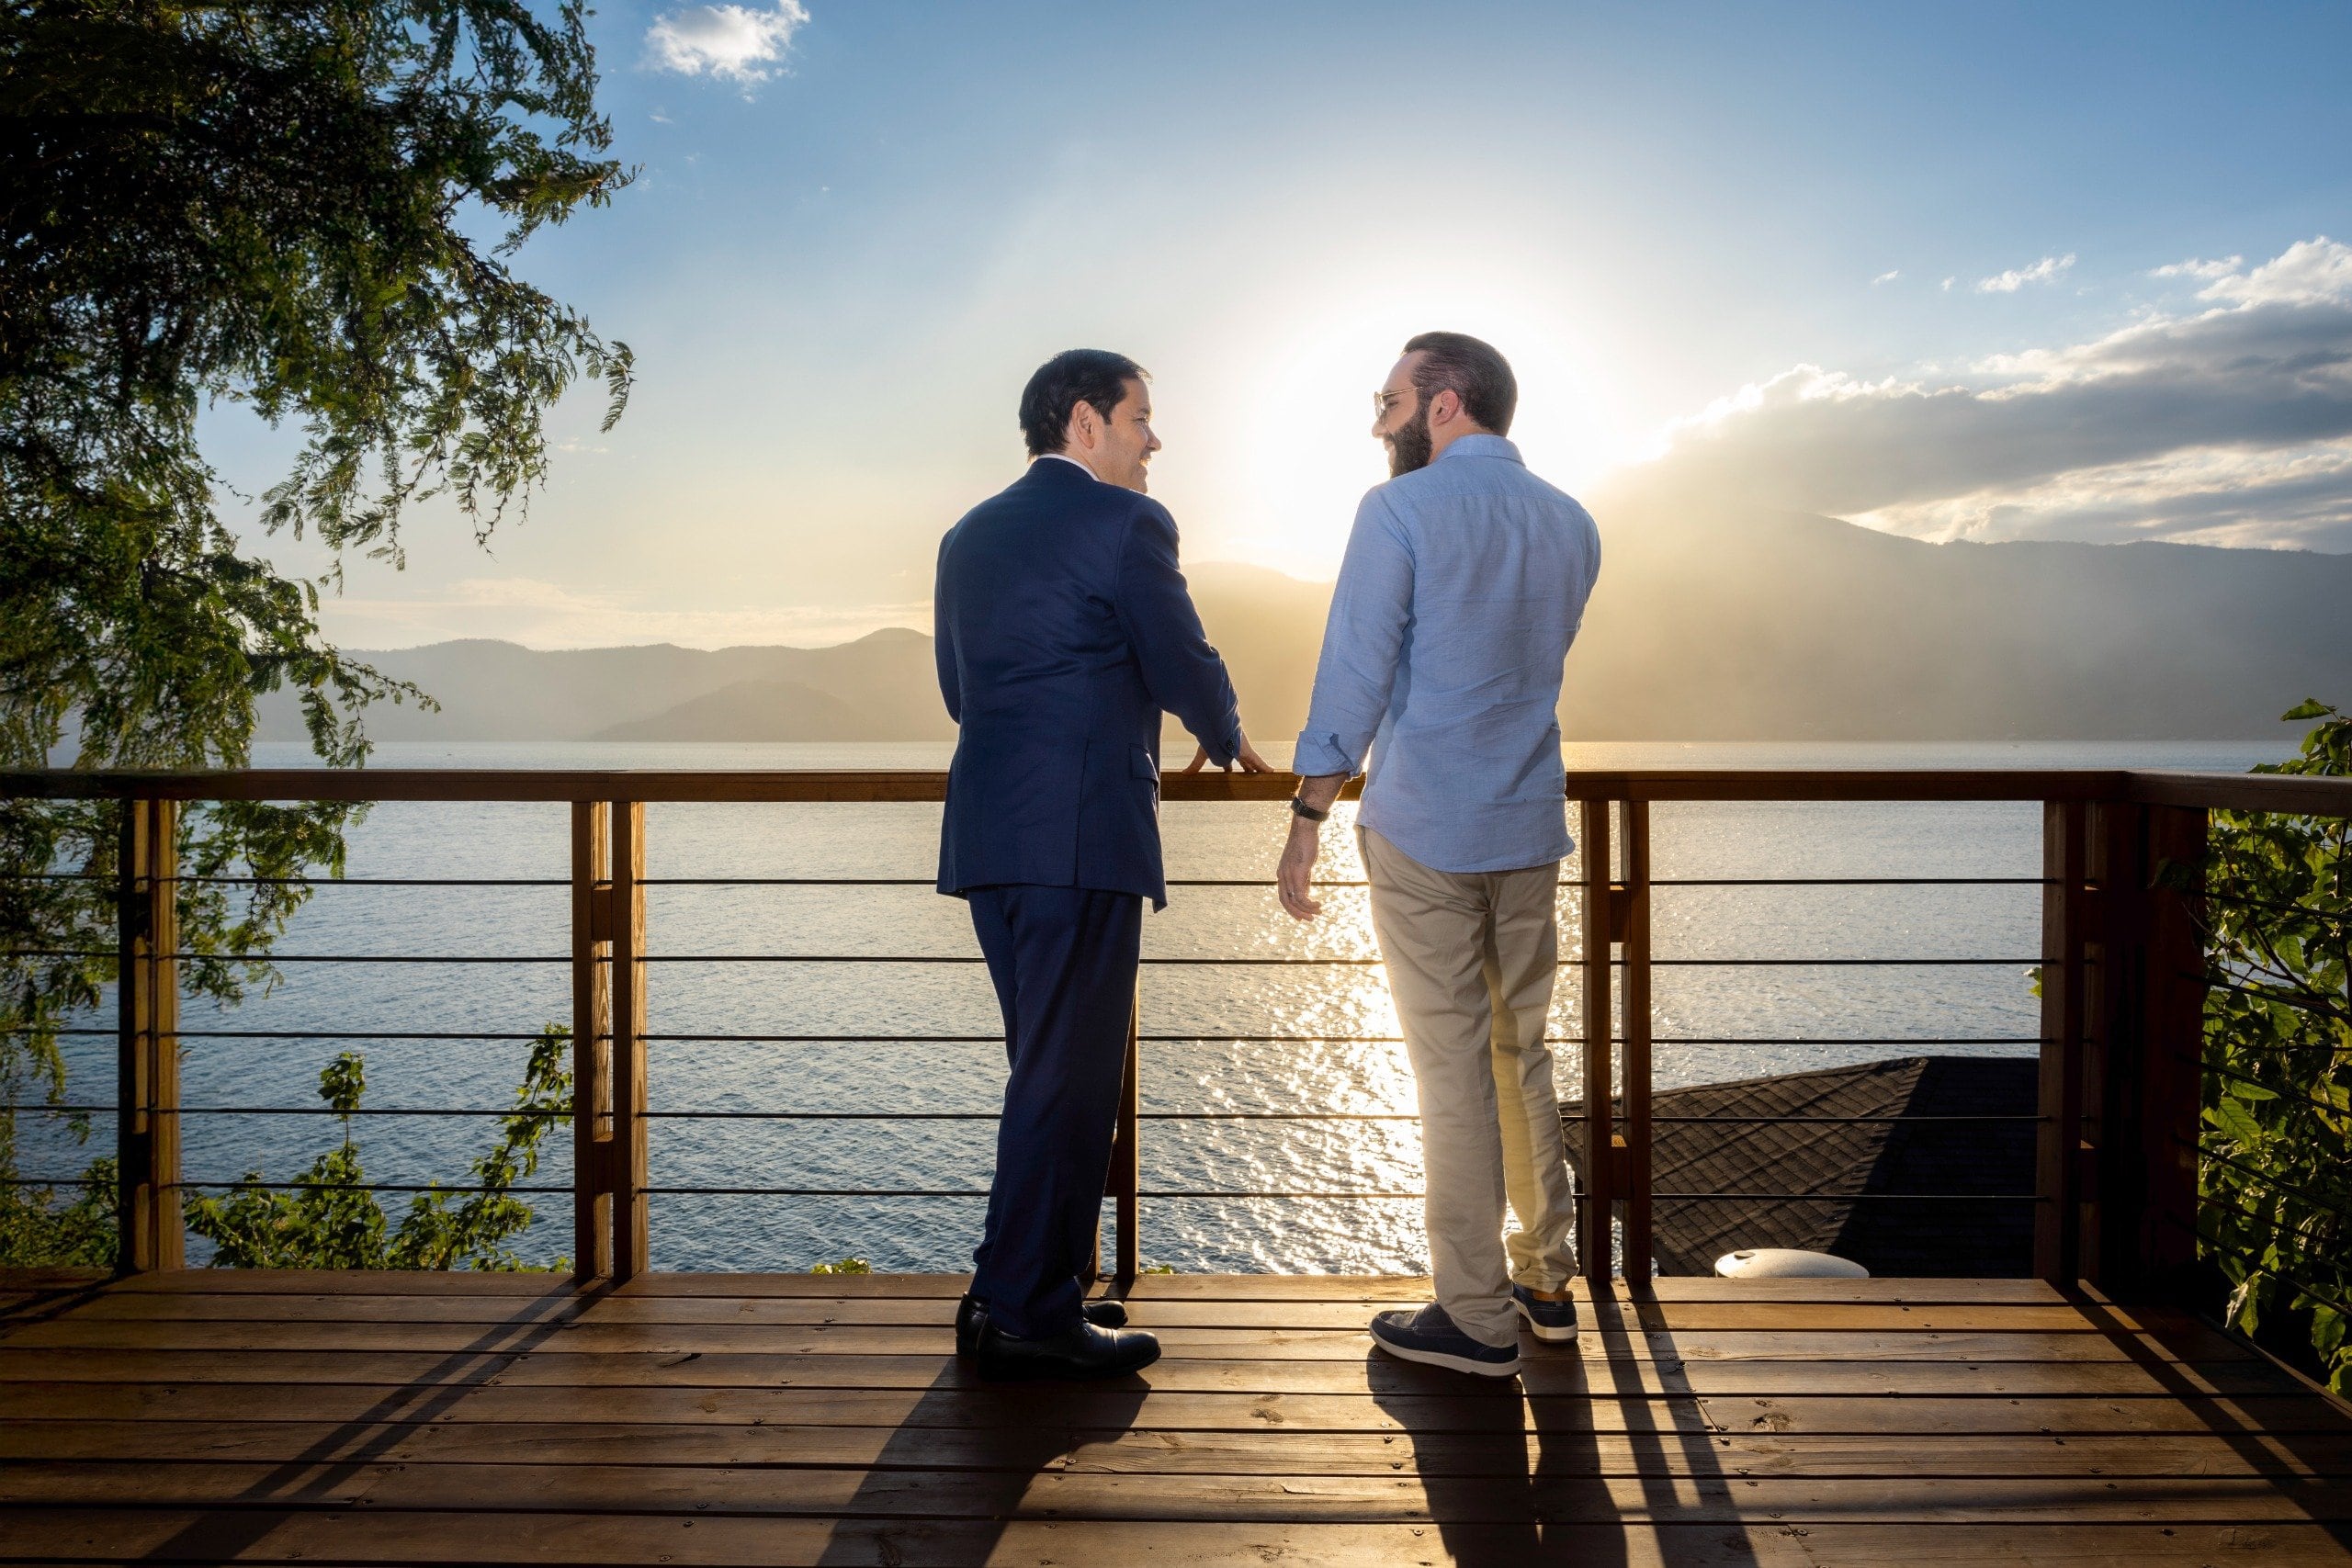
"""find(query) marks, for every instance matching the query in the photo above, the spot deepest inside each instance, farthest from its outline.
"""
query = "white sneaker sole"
(1548, 1335)
(1451, 1363)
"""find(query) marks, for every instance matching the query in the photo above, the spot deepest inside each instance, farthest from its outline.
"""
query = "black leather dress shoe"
(970, 1314)
(1081, 1350)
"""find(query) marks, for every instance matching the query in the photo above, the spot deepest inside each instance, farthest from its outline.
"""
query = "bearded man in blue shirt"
(1465, 582)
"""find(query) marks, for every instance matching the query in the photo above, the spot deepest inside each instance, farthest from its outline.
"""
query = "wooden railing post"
(631, 1231)
(1600, 1121)
(149, 1231)
(2142, 1092)
(1634, 1180)
(592, 1038)
(1126, 1165)
(2059, 1164)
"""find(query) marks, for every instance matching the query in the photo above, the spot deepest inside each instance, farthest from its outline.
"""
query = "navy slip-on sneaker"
(1429, 1336)
(1554, 1321)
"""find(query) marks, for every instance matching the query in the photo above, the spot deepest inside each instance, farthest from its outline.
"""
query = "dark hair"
(1478, 375)
(1075, 376)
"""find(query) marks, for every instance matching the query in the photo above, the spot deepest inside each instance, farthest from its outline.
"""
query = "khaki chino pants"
(1471, 957)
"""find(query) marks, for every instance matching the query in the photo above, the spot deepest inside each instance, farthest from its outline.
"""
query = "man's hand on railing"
(1247, 757)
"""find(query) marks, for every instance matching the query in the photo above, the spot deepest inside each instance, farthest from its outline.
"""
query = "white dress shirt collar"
(1065, 458)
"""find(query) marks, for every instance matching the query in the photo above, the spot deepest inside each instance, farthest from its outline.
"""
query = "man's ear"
(1445, 407)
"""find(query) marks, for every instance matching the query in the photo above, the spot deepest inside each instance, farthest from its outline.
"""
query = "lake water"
(1211, 1055)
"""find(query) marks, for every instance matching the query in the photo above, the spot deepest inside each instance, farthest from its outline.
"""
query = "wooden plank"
(1046, 1493)
(1145, 1450)
(590, 1335)
(311, 1537)
(1377, 1287)
(44, 1281)
(1149, 1313)
(347, 1282)
(329, 1537)
(423, 1372)
(2255, 1417)
(957, 1408)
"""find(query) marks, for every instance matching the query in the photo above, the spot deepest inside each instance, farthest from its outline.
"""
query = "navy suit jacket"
(1064, 630)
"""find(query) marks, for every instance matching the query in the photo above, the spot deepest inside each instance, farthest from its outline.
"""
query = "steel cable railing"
(609, 963)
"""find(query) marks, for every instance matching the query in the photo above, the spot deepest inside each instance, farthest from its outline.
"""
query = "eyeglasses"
(1383, 401)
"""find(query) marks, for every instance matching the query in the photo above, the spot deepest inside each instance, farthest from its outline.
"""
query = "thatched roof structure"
(1848, 1168)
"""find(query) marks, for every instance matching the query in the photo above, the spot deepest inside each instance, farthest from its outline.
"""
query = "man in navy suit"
(1064, 631)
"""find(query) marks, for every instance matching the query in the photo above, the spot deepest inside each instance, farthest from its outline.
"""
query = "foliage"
(308, 211)
(2275, 1177)
(329, 1220)
(844, 1266)
(40, 1226)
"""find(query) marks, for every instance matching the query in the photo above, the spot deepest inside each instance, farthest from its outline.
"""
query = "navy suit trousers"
(1064, 962)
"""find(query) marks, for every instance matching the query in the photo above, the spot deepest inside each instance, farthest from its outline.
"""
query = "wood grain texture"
(192, 1417)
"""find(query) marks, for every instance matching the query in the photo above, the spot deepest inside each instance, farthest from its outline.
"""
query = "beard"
(1409, 448)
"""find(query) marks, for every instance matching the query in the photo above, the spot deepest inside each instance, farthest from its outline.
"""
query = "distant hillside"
(1708, 624)
(881, 687)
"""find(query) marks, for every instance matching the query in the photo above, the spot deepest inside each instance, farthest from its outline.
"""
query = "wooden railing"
(2120, 1036)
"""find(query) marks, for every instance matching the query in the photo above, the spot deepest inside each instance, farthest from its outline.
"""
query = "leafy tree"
(39, 1225)
(2276, 1176)
(329, 1220)
(309, 210)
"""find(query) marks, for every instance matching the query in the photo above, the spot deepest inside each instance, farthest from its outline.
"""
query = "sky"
(1962, 272)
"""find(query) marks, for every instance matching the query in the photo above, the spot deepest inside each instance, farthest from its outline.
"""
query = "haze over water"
(1213, 1063)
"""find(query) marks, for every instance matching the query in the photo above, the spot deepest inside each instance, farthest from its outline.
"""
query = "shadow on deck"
(798, 1419)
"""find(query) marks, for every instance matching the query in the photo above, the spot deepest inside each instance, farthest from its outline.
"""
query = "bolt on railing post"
(631, 1226)
(1599, 1120)
(1634, 1180)
(149, 1230)
(592, 1038)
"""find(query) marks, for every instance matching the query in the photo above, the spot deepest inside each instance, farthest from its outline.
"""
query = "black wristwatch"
(1298, 808)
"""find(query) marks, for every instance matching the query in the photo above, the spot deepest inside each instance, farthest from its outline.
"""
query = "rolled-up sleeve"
(1372, 605)
(1183, 673)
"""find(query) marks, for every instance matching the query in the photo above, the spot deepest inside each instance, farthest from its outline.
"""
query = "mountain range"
(1709, 623)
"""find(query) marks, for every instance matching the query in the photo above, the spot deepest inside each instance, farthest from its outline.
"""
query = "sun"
(1272, 472)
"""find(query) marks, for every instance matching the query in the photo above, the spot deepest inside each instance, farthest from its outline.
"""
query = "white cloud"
(2200, 269)
(739, 43)
(2010, 282)
(2227, 423)
(2306, 272)
(1887, 276)
(1948, 283)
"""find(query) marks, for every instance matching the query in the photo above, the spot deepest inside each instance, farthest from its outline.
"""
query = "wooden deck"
(800, 1419)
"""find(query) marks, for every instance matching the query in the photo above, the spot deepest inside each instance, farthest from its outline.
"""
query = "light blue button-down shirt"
(1464, 584)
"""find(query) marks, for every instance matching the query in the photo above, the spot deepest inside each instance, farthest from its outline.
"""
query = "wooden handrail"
(2121, 1013)
(2237, 792)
